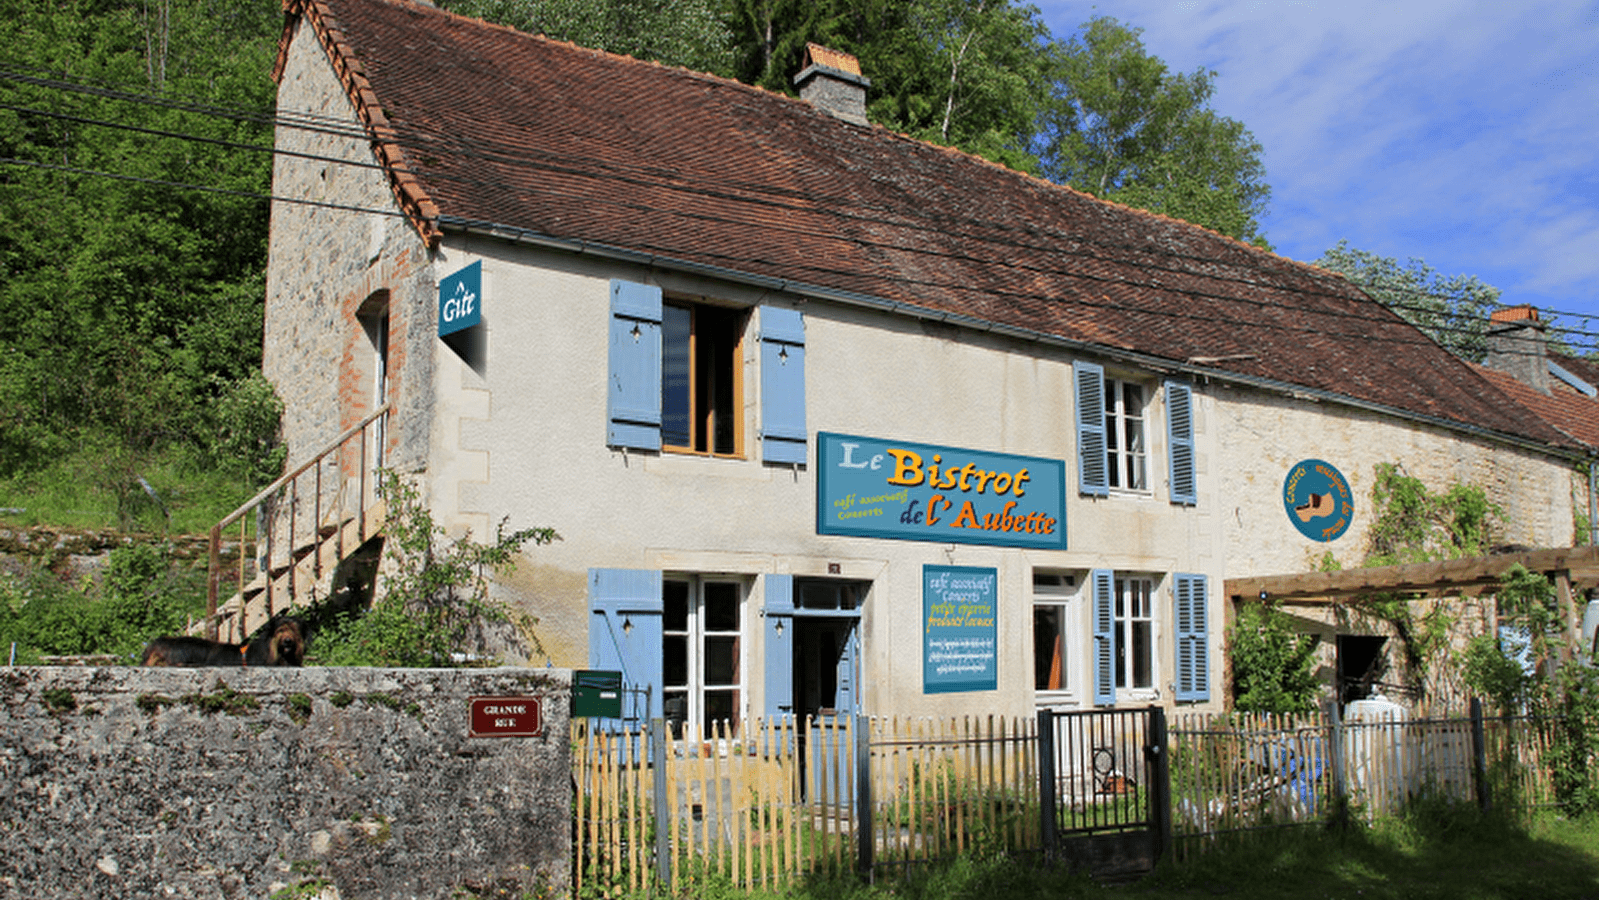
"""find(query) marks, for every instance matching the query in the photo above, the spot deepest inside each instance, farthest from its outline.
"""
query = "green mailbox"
(596, 694)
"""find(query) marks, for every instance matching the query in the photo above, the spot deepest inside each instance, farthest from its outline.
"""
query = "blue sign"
(960, 649)
(869, 487)
(1317, 499)
(461, 299)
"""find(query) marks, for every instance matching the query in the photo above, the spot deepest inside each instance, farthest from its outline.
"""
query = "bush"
(435, 601)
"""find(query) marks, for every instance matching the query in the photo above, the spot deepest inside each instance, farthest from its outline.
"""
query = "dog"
(280, 642)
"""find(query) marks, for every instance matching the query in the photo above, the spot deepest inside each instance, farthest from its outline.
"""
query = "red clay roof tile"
(515, 130)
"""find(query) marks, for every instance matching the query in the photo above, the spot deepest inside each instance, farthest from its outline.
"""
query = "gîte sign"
(461, 299)
(505, 717)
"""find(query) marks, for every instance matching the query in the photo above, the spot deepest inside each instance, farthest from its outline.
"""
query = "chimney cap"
(817, 55)
(1522, 313)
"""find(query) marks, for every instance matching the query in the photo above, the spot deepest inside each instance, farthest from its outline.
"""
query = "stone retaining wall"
(123, 782)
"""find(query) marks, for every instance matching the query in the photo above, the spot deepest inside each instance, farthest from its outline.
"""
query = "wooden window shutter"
(1180, 442)
(783, 434)
(633, 395)
(1093, 474)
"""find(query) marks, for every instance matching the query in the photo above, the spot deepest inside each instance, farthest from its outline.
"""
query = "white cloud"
(1461, 133)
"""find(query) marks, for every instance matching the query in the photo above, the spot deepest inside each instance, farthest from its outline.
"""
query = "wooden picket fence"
(1237, 772)
(766, 803)
(769, 802)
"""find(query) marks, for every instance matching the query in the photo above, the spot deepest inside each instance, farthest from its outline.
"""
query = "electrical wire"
(762, 195)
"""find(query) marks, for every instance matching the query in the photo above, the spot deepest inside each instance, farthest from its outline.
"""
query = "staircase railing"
(269, 521)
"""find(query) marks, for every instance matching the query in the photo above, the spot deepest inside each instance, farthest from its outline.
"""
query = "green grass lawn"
(1452, 855)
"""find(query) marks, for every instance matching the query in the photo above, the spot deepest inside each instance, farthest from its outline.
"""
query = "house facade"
(828, 420)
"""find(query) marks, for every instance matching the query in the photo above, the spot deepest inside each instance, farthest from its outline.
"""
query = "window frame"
(705, 415)
(695, 635)
(1059, 594)
(1126, 625)
(1120, 461)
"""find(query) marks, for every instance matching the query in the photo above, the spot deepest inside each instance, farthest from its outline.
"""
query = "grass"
(1451, 853)
(91, 492)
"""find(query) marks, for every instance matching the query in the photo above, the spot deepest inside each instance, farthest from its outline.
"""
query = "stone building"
(826, 418)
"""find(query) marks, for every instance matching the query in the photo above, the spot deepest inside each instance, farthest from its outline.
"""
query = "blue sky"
(1465, 134)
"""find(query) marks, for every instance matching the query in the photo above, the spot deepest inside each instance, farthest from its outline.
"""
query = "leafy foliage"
(148, 294)
(1452, 310)
(1414, 524)
(435, 601)
(687, 33)
(1274, 666)
(1125, 128)
(140, 596)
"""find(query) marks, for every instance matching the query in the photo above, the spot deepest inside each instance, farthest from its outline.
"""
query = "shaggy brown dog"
(280, 642)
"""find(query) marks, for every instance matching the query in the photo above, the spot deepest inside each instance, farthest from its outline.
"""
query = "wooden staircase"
(305, 525)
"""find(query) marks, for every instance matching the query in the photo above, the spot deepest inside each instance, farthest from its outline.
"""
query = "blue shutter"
(625, 634)
(1093, 475)
(1180, 442)
(783, 431)
(779, 649)
(1193, 631)
(1102, 585)
(633, 390)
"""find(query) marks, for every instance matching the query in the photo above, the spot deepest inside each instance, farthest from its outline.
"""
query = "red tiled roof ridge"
(418, 207)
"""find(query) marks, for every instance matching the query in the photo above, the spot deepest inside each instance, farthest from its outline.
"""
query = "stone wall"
(318, 782)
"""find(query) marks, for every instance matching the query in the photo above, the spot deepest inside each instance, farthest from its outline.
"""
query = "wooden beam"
(1581, 565)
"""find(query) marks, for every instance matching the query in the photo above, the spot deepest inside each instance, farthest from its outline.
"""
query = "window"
(1054, 598)
(1135, 632)
(701, 400)
(1125, 444)
(1113, 435)
(702, 627)
(676, 377)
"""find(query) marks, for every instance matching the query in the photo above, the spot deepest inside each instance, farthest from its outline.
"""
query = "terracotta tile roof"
(1572, 413)
(489, 125)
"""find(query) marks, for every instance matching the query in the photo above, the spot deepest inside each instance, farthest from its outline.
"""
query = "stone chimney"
(1517, 346)
(832, 82)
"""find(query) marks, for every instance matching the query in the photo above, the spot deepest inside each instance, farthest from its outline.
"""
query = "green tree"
(1274, 666)
(1452, 310)
(688, 33)
(147, 292)
(1125, 128)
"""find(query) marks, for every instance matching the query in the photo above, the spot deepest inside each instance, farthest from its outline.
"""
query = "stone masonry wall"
(232, 783)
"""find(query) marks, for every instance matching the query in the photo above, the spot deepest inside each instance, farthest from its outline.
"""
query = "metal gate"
(1105, 789)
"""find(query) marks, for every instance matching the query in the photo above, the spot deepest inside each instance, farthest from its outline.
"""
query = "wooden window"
(701, 386)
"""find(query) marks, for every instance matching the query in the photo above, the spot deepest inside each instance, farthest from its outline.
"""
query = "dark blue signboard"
(869, 487)
(960, 608)
(461, 299)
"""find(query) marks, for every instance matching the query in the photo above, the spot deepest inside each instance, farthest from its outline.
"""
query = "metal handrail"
(214, 573)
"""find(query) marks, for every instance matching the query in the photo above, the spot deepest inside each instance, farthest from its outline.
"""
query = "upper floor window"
(1125, 443)
(1113, 431)
(701, 391)
(677, 370)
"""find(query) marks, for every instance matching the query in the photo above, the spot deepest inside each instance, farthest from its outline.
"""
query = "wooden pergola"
(1571, 569)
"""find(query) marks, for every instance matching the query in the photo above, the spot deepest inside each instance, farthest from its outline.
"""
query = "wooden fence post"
(1479, 755)
(1336, 754)
(1046, 781)
(663, 808)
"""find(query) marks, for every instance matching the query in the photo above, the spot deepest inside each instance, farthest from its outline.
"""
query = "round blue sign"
(1318, 501)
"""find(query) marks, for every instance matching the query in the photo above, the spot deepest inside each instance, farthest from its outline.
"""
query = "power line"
(762, 195)
(519, 157)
